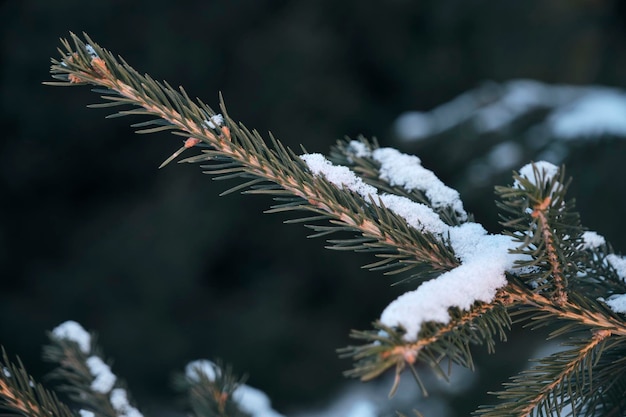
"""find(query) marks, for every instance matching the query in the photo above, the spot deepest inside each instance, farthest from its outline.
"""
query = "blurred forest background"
(164, 270)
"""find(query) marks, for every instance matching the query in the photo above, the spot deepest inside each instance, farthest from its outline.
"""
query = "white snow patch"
(338, 175)
(71, 330)
(119, 401)
(545, 170)
(214, 121)
(86, 413)
(598, 113)
(619, 263)
(407, 171)
(418, 216)
(617, 303)
(592, 240)
(359, 149)
(485, 259)
(91, 51)
(404, 170)
(199, 367)
(103, 379)
(465, 239)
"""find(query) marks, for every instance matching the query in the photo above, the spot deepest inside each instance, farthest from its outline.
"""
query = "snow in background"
(574, 111)
(250, 400)
(371, 399)
(533, 120)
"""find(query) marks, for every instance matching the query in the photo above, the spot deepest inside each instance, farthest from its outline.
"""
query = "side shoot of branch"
(542, 270)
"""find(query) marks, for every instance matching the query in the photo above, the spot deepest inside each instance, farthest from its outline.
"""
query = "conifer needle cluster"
(544, 269)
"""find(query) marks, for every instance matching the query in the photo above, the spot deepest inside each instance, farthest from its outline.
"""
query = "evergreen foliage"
(559, 278)
(20, 395)
(209, 397)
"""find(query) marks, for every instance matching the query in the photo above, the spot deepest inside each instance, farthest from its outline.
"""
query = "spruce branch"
(386, 348)
(538, 215)
(597, 277)
(21, 395)
(608, 397)
(539, 212)
(83, 375)
(576, 314)
(210, 389)
(530, 294)
(542, 281)
(358, 156)
(559, 380)
(229, 150)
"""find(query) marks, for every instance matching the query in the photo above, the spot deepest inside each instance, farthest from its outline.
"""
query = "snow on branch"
(72, 331)
(407, 171)
(102, 383)
(485, 258)
(417, 215)
(573, 111)
(251, 400)
(592, 240)
(404, 214)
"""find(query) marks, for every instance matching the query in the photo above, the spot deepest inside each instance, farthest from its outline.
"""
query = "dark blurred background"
(163, 269)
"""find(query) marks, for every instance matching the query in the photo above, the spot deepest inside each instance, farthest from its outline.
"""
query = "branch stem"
(560, 295)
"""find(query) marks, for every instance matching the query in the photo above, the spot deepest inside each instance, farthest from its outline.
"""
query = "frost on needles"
(544, 268)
